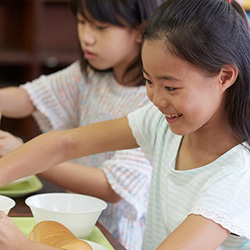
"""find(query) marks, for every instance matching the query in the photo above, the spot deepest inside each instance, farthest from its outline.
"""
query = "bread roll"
(55, 234)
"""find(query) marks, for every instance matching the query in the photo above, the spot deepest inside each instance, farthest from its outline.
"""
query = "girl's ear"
(227, 76)
(140, 29)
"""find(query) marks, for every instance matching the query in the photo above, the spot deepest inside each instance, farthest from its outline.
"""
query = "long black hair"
(133, 12)
(210, 34)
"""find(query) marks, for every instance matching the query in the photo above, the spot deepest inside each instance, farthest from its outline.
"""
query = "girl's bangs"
(102, 11)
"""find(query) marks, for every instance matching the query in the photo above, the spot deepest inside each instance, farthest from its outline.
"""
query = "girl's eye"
(148, 82)
(80, 21)
(170, 89)
(101, 27)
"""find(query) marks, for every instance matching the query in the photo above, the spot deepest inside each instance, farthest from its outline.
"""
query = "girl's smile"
(172, 118)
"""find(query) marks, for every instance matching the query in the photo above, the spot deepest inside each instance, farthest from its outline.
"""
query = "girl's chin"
(178, 131)
(100, 69)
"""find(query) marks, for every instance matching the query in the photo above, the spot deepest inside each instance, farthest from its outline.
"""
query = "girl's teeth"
(173, 116)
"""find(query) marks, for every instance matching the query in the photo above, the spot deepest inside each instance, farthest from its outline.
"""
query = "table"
(22, 210)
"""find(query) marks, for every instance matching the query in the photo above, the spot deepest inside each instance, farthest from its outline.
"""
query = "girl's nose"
(87, 35)
(159, 99)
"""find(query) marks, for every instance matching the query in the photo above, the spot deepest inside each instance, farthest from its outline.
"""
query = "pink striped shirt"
(65, 100)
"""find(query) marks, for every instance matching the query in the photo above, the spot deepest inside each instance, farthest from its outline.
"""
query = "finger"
(2, 216)
(5, 218)
(2, 134)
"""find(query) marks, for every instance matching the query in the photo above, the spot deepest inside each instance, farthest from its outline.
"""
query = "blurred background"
(36, 37)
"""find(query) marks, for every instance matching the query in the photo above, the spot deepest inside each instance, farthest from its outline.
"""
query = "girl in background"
(196, 131)
(107, 83)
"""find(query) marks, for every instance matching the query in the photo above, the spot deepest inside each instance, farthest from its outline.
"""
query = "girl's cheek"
(150, 96)
(149, 93)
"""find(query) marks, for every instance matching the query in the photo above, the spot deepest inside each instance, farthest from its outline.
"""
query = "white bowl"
(79, 213)
(6, 203)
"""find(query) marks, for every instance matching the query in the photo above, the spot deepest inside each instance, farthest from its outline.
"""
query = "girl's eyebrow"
(161, 77)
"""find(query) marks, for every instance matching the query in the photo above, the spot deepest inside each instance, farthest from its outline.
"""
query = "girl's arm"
(15, 102)
(50, 149)
(195, 233)
(82, 179)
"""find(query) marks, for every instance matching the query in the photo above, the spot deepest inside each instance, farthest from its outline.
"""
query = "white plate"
(21, 180)
(96, 246)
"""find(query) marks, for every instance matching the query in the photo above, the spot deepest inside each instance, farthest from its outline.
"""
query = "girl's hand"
(8, 142)
(11, 238)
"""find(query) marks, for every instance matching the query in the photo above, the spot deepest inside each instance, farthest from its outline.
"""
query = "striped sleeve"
(56, 98)
(144, 123)
(129, 174)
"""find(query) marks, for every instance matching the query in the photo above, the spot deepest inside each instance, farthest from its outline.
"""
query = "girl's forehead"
(88, 17)
(158, 59)
(99, 13)
(155, 54)
(156, 45)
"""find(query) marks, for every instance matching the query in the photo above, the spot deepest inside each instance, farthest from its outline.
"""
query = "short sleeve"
(145, 124)
(225, 198)
(129, 174)
(56, 98)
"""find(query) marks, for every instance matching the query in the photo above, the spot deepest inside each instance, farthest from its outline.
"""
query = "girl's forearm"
(32, 157)
(50, 149)
(82, 179)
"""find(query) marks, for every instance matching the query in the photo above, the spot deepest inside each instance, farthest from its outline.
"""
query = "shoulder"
(149, 125)
(148, 114)
(71, 70)
(236, 159)
(231, 168)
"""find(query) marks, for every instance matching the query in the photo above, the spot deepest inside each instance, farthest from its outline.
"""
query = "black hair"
(210, 34)
(133, 12)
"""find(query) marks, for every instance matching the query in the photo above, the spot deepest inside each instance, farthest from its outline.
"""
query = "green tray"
(20, 189)
(25, 224)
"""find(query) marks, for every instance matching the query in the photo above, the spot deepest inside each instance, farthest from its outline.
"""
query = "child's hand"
(11, 238)
(8, 143)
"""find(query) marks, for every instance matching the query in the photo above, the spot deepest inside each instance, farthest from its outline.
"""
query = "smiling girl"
(196, 131)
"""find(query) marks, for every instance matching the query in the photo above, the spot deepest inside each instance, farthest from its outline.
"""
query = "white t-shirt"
(65, 100)
(219, 191)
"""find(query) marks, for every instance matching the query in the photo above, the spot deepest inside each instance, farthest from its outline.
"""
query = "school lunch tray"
(26, 224)
(21, 189)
